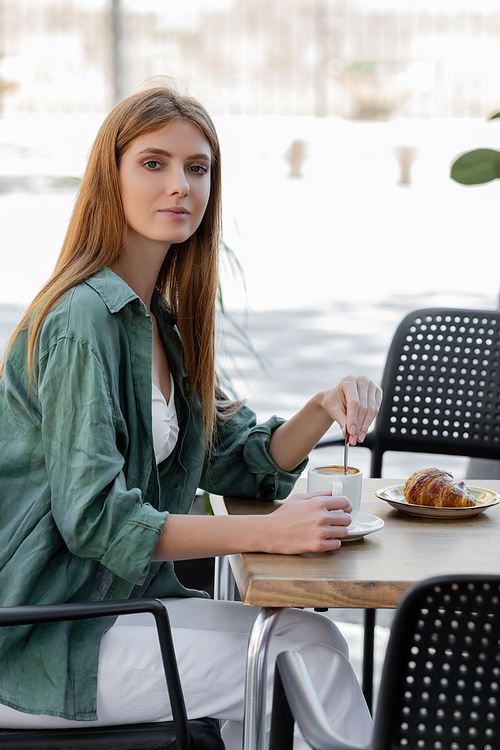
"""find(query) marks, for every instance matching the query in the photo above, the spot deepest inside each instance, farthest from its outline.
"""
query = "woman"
(112, 417)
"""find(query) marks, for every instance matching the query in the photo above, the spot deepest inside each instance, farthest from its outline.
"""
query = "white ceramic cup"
(332, 479)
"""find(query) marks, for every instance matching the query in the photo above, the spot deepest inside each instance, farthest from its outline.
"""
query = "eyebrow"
(169, 155)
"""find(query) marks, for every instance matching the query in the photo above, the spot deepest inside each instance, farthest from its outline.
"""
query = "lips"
(174, 210)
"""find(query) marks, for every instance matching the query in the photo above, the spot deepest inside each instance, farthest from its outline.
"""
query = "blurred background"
(339, 121)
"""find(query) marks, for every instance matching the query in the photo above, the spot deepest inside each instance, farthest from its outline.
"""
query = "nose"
(177, 182)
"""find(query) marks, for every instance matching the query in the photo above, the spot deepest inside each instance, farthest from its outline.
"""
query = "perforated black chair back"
(440, 687)
(441, 386)
(178, 734)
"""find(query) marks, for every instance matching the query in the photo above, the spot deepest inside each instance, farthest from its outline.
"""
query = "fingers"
(362, 404)
(330, 516)
(306, 523)
(336, 502)
(369, 397)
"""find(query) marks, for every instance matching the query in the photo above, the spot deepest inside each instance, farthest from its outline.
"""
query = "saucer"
(365, 524)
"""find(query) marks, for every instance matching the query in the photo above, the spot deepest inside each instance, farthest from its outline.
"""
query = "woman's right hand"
(304, 524)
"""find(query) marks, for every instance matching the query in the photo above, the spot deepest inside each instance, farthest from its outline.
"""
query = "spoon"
(346, 450)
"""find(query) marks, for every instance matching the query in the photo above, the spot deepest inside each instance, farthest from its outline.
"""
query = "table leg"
(217, 578)
(254, 721)
(224, 584)
(368, 656)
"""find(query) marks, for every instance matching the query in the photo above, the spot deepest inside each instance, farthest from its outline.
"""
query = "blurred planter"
(379, 88)
(4, 87)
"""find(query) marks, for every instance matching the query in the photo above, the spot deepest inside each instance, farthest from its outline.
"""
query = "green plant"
(361, 67)
(232, 329)
(478, 166)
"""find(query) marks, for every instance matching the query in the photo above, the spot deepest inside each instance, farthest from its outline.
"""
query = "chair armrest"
(292, 680)
(30, 614)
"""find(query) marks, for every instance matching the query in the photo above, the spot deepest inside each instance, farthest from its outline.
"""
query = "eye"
(152, 164)
(198, 169)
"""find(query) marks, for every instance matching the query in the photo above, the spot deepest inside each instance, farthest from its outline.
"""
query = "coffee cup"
(332, 479)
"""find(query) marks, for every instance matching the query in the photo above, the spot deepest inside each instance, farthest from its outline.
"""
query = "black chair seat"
(204, 735)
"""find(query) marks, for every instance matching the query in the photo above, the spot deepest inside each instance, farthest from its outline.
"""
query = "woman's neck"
(139, 265)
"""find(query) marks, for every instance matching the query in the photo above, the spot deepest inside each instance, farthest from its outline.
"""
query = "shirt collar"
(114, 292)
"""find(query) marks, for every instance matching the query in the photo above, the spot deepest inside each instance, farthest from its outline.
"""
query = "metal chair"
(179, 734)
(441, 386)
(440, 687)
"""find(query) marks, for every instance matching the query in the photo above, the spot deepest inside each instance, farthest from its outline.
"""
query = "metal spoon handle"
(346, 451)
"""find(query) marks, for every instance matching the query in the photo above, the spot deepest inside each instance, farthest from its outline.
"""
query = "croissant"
(437, 488)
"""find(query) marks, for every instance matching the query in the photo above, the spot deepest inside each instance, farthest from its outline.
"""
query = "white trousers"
(211, 639)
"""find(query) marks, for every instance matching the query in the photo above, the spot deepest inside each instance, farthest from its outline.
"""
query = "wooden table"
(371, 573)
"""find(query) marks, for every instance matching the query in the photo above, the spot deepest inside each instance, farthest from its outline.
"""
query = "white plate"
(394, 496)
(365, 524)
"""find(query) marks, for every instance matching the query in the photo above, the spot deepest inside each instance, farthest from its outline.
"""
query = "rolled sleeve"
(140, 535)
(274, 482)
(240, 462)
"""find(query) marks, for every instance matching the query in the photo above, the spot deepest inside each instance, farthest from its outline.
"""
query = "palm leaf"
(233, 329)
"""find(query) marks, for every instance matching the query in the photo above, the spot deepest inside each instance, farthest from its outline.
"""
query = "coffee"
(336, 470)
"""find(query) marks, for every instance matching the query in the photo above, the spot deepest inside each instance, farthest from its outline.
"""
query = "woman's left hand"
(353, 403)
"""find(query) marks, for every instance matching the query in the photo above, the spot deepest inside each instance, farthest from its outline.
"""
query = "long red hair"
(97, 230)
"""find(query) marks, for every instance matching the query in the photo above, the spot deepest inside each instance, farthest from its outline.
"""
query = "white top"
(165, 424)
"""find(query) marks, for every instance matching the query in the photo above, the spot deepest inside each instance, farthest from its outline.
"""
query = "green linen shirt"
(82, 501)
